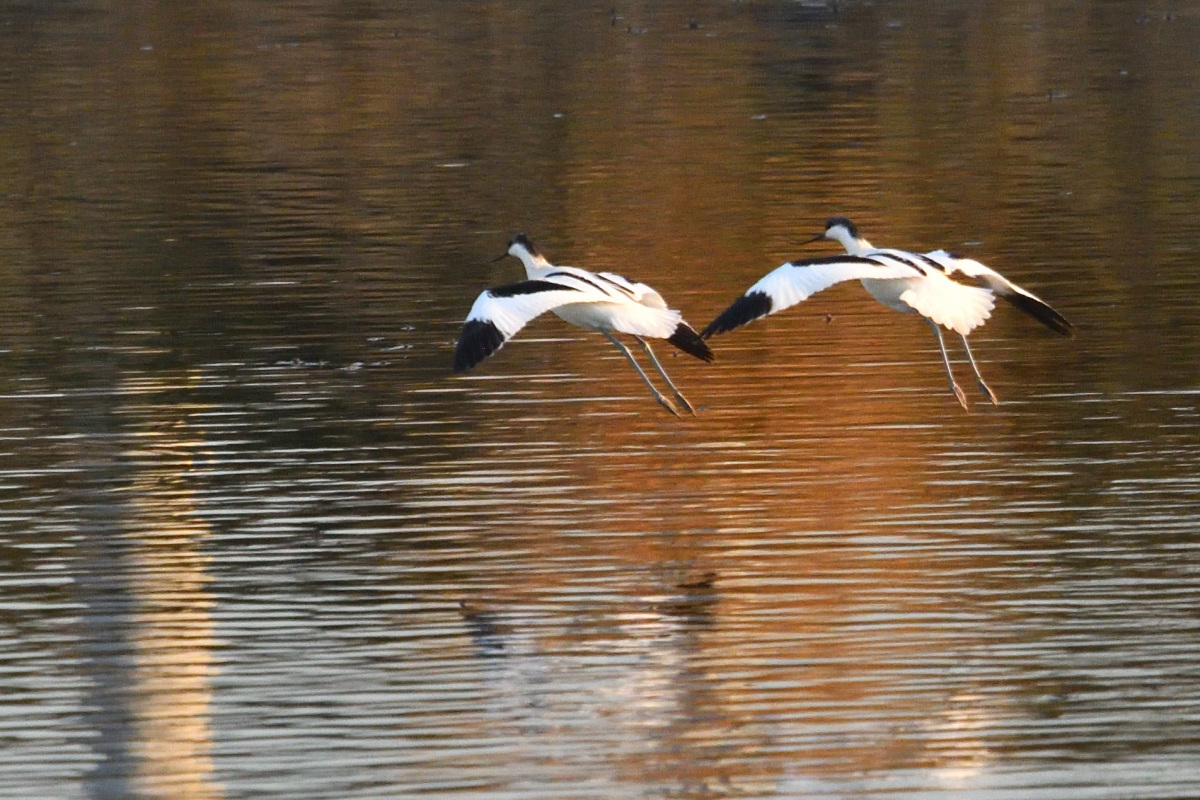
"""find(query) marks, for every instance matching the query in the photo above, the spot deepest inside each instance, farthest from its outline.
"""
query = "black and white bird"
(913, 283)
(598, 301)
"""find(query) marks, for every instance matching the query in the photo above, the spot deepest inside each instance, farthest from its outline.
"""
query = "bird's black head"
(830, 224)
(523, 240)
(845, 223)
(520, 241)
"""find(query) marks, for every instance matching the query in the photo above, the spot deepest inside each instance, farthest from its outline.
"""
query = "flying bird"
(598, 301)
(912, 283)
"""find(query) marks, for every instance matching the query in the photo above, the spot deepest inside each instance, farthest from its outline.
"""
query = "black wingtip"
(743, 311)
(1042, 313)
(690, 342)
(478, 340)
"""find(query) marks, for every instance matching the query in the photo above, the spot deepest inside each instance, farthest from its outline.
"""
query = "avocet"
(913, 283)
(598, 301)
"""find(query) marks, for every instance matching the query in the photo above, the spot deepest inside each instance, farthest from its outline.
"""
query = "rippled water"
(257, 541)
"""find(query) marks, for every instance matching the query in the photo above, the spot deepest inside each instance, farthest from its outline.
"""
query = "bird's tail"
(690, 342)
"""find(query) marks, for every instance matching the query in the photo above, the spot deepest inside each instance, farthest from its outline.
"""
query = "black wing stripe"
(529, 287)
(1041, 312)
(581, 279)
(906, 261)
(621, 288)
(930, 262)
(744, 310)
(810, 262)
(478, 340)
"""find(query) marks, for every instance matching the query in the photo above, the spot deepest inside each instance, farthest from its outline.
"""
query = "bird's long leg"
(663, 401)
(983, 387)
(674, 389)
(958, 392)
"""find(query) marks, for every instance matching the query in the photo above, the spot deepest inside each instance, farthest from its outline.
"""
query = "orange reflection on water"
(148, 625)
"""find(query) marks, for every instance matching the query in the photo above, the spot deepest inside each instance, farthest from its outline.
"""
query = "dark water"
(256, 541)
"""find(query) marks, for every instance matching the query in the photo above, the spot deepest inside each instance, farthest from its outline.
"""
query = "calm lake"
(258, 541)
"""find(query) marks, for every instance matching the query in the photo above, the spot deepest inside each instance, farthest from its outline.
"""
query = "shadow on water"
(258, 541)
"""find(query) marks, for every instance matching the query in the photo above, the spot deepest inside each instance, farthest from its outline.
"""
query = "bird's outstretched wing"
(798, 280)
(596, 303)
(500, 312)
(1023, 299)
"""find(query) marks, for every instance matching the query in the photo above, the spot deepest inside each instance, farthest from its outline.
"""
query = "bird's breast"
(888, 291)
(587, 315)
(625, 317)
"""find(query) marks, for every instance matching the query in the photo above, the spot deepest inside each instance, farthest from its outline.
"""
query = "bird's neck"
(535, 265)
(857, 247)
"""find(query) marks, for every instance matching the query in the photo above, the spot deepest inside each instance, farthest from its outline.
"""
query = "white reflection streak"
(966, 754)
(629, 692)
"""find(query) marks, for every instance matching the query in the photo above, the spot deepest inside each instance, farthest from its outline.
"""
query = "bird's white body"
(908, 282)
(887, 290)
(598, 301)
(608, 302)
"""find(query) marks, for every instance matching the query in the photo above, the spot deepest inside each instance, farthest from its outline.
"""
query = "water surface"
(257, 541)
